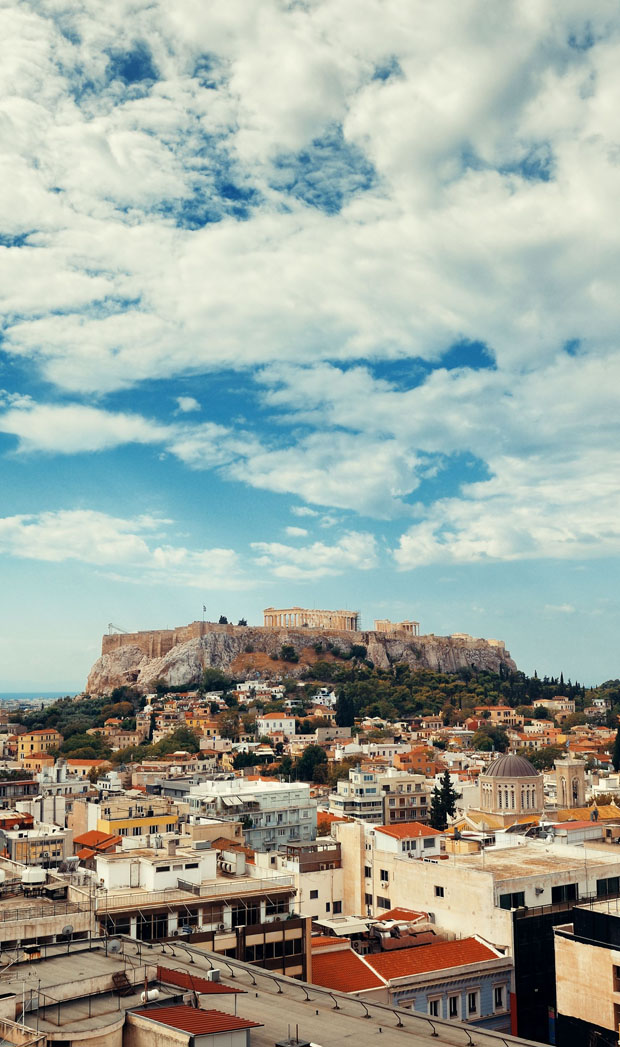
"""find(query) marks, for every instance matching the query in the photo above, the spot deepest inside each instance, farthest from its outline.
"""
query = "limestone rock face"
(247, 653)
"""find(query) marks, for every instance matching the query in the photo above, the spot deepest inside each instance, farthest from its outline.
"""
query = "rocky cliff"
(246, 653)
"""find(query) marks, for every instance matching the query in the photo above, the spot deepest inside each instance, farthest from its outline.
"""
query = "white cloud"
(561, 608)
(296, 532)
(303, 510)
(354, 550)
(135, 547)
(186, 404)
(75, 428)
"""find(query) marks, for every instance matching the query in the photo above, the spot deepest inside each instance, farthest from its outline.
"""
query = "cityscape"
(309, 523)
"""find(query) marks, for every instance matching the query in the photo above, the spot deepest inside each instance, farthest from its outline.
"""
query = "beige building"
(570, 781)
(512, 790)
(587, 965)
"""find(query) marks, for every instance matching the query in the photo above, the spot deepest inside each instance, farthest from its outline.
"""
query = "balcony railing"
(232, 888)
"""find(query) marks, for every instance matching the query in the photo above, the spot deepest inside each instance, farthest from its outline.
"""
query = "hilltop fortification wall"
(179, 656)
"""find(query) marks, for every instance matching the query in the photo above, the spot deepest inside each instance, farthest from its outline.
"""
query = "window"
(327, 906)
(314, 894)
(439, 892)
(429, 842)
(608, 886)
(453, 1006)
(367, 872)
(383, 903)
(472, 1002)
(433, 1008)
(512, 901)
(368, 899)
(383, 873)
(498, 998)
(136, 831)
(337, 908)
(567, 892)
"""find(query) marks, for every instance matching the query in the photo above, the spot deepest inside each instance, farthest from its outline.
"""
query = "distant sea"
(29, 696)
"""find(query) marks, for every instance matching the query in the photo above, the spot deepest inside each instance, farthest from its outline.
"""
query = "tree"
(242, 621)
(615, 756)
(223, 620)
(309, 761)
(542, 759)
(345, 709)
(443, 802)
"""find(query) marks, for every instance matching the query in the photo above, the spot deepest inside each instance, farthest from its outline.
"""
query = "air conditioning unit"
(213, 975)
(221, 927)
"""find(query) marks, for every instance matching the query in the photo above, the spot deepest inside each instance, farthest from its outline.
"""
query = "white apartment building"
(317, 873)
(359, 796)
(275, 723)
(272, 813)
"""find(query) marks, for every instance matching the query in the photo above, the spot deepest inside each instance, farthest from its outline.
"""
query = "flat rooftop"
(510, 863)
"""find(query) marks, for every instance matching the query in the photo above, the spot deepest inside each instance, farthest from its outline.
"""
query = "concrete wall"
(584, 981)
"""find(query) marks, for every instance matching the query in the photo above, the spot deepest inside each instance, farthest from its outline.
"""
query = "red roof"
(185, 980)
(424, 958)
(404, 915)
(344, 971)
(276, 716)
(100, 840)
(322, 941)
(407, 830)
(195, 1021)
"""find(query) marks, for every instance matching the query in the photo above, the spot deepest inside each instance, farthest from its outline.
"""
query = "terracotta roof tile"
(408, 915)
(344, 971)
(186, 980)
(435, 957)
(195, 1021)
(407, 830)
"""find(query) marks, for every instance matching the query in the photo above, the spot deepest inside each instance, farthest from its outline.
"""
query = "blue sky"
(307, 303)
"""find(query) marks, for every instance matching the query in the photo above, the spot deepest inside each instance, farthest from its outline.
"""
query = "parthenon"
(301, 617)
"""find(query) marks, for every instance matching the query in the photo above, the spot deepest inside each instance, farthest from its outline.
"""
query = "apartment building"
(359, 796)
(272, 813)
(512, 894)
(317, 873)
(33, 743)
(125, 815)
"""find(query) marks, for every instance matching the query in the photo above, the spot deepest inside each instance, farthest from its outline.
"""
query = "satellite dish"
(114, 946)
(66, 931)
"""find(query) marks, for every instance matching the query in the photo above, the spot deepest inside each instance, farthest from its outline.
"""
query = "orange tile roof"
(98, 839)
(186, 980)
(321, 941)
(437, 957)
(408, 915)
(195, 1021)
(406, 830)
(344, 971)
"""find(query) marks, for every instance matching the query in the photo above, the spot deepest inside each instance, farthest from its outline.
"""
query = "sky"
(309, 302)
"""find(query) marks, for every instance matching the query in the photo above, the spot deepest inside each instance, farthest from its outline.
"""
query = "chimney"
(172, 847)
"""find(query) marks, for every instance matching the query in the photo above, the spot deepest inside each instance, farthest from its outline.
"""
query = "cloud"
(186, 404)
(303, 510)
(463, 156)
(354, 550)
(561, 608)
(76, 428)
(531, 508)
(136, 547)
(296, 532)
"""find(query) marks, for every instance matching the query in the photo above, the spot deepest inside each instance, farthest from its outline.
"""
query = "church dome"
(510, 766)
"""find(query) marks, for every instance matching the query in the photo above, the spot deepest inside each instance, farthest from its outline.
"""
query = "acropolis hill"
(178, 656)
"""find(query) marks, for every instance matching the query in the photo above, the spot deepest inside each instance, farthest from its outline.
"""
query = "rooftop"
(343, 970)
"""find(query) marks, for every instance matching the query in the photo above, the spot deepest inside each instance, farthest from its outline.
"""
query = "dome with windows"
(512, 790)
(511, 766)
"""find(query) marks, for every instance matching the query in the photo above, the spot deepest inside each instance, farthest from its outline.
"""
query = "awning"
(232, 801)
